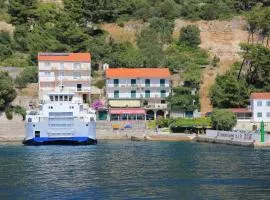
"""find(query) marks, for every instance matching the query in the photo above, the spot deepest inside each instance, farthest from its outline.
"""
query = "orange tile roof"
(137, 73)
(260, 95)
(240, 110)
(66, 57)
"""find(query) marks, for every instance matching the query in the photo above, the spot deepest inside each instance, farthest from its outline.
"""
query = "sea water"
(134, 170)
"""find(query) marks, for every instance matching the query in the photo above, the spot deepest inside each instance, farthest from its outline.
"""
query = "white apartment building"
(144, 88)
(70, 72)
(260, 105)
(258, 111)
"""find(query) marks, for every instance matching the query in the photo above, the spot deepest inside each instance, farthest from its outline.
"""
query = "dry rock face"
(6, 27)
(221, 38)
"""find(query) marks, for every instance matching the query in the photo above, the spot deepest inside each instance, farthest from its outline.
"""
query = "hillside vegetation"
(140, 33)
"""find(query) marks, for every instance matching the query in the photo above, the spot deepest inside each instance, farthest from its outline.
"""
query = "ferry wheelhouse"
(61, 119)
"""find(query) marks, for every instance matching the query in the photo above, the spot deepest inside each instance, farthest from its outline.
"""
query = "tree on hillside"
(7, 92)
(5, 45)
(182, 99)
(28, 75)
(255, 65)
(150, 47)
(223, 119)
(228, 92)
(74, 9)
(22, 11)
(190, 36)
(163, 27)
(100, 11)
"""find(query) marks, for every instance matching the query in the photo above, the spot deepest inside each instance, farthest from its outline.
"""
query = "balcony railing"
(156, 106)
(137, 86)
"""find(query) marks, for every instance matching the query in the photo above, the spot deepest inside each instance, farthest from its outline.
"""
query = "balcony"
(156, 106)
(138, 86)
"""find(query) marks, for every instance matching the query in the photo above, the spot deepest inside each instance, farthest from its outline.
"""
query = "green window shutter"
(116, 94)
(133, 82)
(162, 82)
(147, 93)
(163, 93)
(133, 94)
(147, 82)
(116, 82)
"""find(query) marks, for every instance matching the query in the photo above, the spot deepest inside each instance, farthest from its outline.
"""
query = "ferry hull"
(60, 141)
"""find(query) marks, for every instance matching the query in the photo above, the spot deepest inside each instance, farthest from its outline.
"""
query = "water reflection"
(125, 169)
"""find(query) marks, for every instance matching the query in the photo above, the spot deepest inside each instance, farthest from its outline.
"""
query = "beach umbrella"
(262, 131)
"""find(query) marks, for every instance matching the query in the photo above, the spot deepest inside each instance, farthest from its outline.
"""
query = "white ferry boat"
(61, 119)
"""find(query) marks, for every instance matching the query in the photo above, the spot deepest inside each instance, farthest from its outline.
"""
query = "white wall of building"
(125, 88)
(54, 74)
(261, 110)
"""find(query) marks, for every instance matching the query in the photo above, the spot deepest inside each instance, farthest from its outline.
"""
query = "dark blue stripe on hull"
(61, 141)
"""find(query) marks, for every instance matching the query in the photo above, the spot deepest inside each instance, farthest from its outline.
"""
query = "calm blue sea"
(134, 170)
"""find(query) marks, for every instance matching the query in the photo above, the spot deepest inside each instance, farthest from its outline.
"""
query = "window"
(163, 101)
(163, 93)
(56, 98)
(133, 94)
(116, 82)
(268, 103)
(76, 75)
(79, 87)
(147, 93)
(66, 98)
(61, 74)
(259, 103)
(69, 98)
(116, 94)
(61, 98)
(47, 73)
(147, 82)
(51, 98)
(47, 64)
(62, 66)
(268, 114)
(259, 114)
(162, 82)
(76, 65)
(133, 82)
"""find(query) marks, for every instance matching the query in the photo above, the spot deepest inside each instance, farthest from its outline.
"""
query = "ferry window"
(56, 98)
(37, 133)
(70, 98)
(61, 98)
(51, 98)
(66, 98)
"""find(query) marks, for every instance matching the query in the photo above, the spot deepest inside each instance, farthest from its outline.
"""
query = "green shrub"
(164, 122)
(100, 84)
(181, 124)
(9, 113)
(223, 119)
(190, 36)
(16, 60)
(28, 75)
